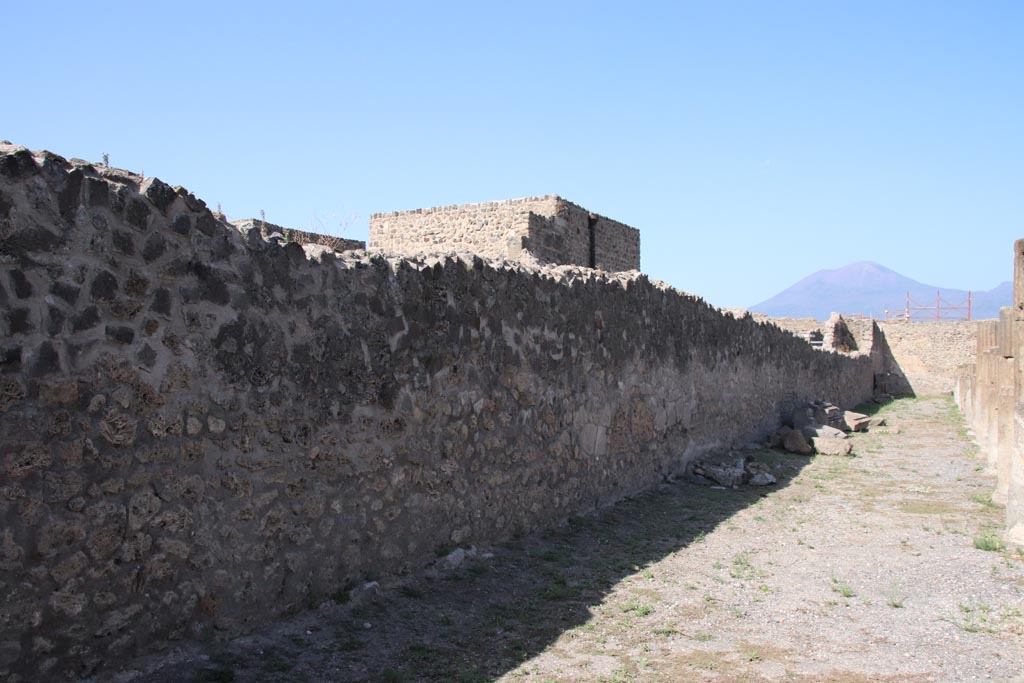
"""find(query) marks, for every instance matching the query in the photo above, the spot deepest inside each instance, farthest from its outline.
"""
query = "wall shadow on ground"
(491, 614)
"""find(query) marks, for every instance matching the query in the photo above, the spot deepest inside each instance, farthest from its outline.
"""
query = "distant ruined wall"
(929, 353)
(801, 327)
(201, 431)
(492, 229)
(536, 230)
(919, 358)
(990, 392)
(856, 337)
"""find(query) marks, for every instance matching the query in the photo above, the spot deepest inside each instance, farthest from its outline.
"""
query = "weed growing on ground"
(843, 588)
(742, 568)
(641, 609)
(984, 499)
(989, 541)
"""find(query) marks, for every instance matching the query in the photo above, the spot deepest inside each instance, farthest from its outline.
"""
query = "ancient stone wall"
(492, 229)
(200, 430)
(616, 246)
(990, 393)
(536, 230)
(929, 353)
(266, 230)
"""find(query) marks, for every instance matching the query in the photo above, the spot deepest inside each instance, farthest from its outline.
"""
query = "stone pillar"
(1005, 381)
(986, 397)
(963, 394)
(1015, 489)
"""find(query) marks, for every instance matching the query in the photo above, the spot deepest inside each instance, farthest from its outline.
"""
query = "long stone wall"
(200, 430)
(990, 393)
(534, 231)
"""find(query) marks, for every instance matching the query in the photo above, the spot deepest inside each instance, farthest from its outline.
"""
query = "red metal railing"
(940, 310)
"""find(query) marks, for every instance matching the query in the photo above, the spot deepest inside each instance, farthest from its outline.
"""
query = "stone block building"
(534, 230)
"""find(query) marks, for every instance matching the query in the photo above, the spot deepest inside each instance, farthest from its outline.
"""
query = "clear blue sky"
(751, 142)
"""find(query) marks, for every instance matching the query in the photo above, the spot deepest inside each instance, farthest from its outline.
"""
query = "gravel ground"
(884, 566)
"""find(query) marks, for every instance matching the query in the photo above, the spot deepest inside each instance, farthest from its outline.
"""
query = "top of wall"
(554, 199)
(449, 208)
(301, 236)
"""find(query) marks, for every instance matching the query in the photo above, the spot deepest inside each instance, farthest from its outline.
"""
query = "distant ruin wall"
(492, 229)
(929, 353)
(536, 230)
(920, 358)
(200, 431)
(990, 392)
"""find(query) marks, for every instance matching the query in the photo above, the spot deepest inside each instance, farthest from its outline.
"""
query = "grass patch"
(641, 609)
(928, 507)
(843, 588)
(989, 541)
(742, 568)
(984, 499)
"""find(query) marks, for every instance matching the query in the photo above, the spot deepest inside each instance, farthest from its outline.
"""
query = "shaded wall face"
(617, 246)
(202, 432)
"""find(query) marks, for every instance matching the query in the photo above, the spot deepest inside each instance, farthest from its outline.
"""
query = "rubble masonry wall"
(536, 230)
(201, 431)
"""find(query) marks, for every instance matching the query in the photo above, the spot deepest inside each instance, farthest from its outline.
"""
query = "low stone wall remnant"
(202, 430)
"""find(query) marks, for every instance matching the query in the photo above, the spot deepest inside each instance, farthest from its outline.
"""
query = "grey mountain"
(869, 288)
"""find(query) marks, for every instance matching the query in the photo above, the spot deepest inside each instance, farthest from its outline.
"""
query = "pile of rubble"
(817, 427)
(732, 471)
(821, 427)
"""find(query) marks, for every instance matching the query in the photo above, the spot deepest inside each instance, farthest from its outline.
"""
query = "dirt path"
(851, 569)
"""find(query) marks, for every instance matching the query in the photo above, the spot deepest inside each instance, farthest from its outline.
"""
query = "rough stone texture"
(266, 230)
(829, 446)
(990, 393)
(1015, 487)
(929, 353)
(535, 230)
(865, 337)
(277, 427)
